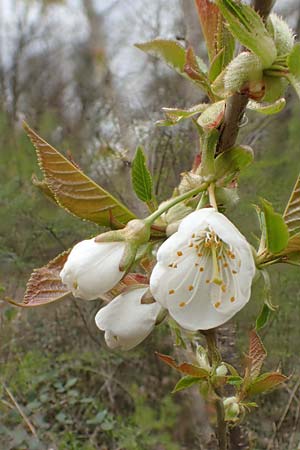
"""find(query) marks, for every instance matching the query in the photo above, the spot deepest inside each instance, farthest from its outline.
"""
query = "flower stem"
(215, 359)
(212, 196)
(150, 219)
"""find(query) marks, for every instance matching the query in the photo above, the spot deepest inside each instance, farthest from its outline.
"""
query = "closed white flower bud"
(204, 271)
(282, 34)
(92, 268)
(126, 321)
(221, 370)
(232, 408)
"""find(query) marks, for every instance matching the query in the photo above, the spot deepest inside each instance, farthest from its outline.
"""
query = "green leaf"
(293, 61)
(169, 51)
(141, 177)
(277, 233)
(193, 70)
(212, 116)
(235, 380)
(263, 317)
(292, 212)
(295, 82)
(73, 190)
(176, 115)
(267, 109)
(265, 382)
(228, 164)
(185, 383)
(247, 26)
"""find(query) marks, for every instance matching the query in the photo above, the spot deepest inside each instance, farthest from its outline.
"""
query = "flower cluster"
(202, 277)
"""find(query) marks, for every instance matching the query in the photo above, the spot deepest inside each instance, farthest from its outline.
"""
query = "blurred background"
(69, 68)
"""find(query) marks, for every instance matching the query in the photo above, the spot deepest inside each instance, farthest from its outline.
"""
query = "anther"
(182, 304)
(217, 304)
(171, 291)
(179, 253)
(191, 288)
(232, 299)
(201, 269)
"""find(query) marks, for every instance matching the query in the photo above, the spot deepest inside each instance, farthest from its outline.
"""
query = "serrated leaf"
(186, 368)
(256, 355)
(292, 212)
(193, 70)
(265, 382)
(293, 61)
(141, 176)
(75, 191)
(43, 187)
(185, 383)
(247, 26)
(216, 34)
(263, 317)
(45, 285)
(277, 233)
(235, 380)
(169, 51)
(267, 109)
(228, 164)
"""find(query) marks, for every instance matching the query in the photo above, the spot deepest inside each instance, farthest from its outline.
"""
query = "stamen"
(171, 291)
(201, 269)
(191, 287)
(196, 264)
(75, 285)
(223, 288)
(216, 271)
(207, 281)
(217, 304)
(232, 299)
(234, 272)
(193, 235)
(179, 253)
(182, 304)
(225, 264)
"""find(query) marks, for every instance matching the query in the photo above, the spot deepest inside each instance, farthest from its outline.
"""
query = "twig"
(20, 410)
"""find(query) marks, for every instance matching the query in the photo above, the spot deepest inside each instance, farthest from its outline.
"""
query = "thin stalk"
(150, 219)
(212, 196)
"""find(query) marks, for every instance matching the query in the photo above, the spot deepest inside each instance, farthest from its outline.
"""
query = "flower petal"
(126, 321)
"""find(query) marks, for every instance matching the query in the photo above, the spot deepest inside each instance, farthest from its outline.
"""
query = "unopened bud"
(221, 370)
(202, 358)
(282, 34)
(232, 408)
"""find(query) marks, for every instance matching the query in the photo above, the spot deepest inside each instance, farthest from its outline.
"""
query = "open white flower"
(92, 268)
(126, 321)
(204, 271)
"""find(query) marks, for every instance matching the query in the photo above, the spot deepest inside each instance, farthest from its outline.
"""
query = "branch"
(236, 105)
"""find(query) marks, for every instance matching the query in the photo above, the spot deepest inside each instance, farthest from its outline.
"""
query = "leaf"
(169, 51)
(185, 383)
(193, 70)
(228, 164)
(292, 212)
(267, 109)
(247, 26)
(73, 190)
(216, 35)
(186, 368)
(141, 176)
(43, 187)
(45, 285)
(277, 233)
(212, 116)
(265, 383)
(256, 356)
(263, 317)
(235, 380)
(295, 82)
(176, 115)
(293, 61)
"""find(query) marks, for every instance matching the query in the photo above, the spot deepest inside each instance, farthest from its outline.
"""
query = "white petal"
(126, 321)
(93, 268)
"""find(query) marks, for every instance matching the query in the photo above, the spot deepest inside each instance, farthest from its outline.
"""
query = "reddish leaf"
(186, 368)
(192, 69)
(256, 356)
(265, 383)
(130, 279)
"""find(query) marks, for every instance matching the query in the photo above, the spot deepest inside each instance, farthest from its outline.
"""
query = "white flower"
(92, 268)
(126, 321)
(204, 272)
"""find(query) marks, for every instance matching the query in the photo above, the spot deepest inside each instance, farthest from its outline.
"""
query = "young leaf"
(228, 164)
(193, 70)
(186, 368)
(293, 61)
(277, 233)
(267, 109)
(141, 177)
(263, 317)
(292, 212)
(247, 26)
(256, 355)
(265, 383)
(73, 190)
(185, 383)
(175, 115)
(45, 285)
(218, 39)
(169, 51)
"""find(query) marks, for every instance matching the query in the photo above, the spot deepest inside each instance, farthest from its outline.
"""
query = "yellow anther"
(200, 254)
(191, 287)
(193, 235)
(191, 245)
(179, 253)
(207, 281)
(234, 272)
(182, 304)
(223, 288)
(232, 299)
(201, 269)
(171, 291)
(75, 285)
(217, 304)
(196, 264)
(225, 264)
